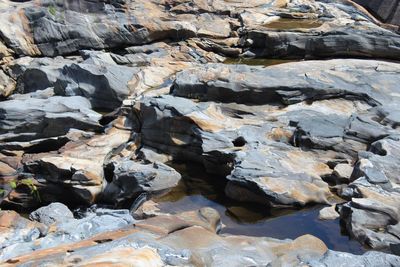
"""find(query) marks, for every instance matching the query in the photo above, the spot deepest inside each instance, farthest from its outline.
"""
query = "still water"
(198, 189)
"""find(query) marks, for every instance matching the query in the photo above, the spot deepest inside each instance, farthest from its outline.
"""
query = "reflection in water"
(197, 190)
(257, 61)
(288, 24)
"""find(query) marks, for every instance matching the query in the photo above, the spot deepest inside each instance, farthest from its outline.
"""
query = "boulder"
(132, 178)
(53, 213)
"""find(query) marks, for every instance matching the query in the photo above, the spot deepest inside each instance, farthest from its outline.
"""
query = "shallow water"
(288, 24)
(198, 190)
(257, 61)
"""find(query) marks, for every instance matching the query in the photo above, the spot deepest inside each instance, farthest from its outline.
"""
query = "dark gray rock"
(362, 40)
(31, 118)
(387, 10)
(309, 81)
(133, 178)
(103, 82)
(192, 131)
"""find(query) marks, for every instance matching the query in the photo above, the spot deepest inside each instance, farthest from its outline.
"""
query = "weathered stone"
(7, 85)
(387, 10)
(343, 172)
(133, 178)
(53, 213)
(183, 239)
(16, 229)
(105, 85)
(66, 231)
(31, 118)
(372, 258)
(317, 29)
(310, 81)
(328, 213)
(78, 167)
(372, 215)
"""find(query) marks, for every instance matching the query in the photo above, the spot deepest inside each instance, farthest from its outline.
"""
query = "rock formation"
(99, 100)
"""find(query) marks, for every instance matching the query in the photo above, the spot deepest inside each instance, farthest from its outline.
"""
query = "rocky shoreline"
(99, 101)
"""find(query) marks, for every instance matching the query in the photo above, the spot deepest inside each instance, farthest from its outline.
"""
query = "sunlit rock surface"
(99, 100)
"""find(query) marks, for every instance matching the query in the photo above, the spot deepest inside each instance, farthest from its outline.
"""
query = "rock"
(65, 231)
(4, 51)
(7, 85)
(252, 160)
(77, 168)
(310, 80)
(66, 28)
(330, 29)
(388, 11)
(379, 164)
(372, 216)
(53, 213)
(126, 257)
(343, 172)
(105, 84)
(182, 239)
(338, 42)
(16, 229)
(147, 210)
(47, 117)
(256, 149)
(273, 135)
(328, 213)
(371, 258)
(133, 178)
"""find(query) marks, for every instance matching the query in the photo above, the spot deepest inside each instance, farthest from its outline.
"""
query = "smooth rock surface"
(33, 118)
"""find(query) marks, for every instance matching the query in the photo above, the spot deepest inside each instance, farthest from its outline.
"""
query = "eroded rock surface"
(99, 97)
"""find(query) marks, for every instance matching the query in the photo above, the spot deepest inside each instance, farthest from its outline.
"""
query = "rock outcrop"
(257, 145)
(100, 99)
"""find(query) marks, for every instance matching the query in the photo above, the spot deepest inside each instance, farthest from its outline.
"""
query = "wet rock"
(265, 167)
(31, 118)
(182, 239)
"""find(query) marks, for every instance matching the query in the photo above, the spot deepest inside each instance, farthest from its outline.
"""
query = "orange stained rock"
(63, 249)
(301, 191)
(305, 162)
(290, 253)
(280, 134)
(142, 257)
